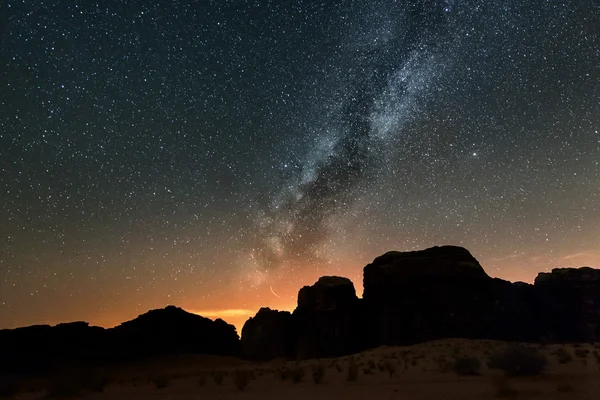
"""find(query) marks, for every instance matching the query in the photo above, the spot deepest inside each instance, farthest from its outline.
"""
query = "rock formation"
(268, 335)
(172, 330)
(569, 304)
(438, 293)
(165, 331)
(408, 297)
(328, 319)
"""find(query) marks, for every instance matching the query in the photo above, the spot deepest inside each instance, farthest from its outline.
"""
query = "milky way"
(220, 155)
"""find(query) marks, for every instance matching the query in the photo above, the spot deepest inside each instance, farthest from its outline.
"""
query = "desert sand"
(417, 372)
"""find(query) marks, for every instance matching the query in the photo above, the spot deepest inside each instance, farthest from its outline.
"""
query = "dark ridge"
(408, 297)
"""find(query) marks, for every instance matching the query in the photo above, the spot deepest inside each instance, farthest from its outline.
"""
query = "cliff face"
(569, 304)
(424, 295)
(441, 292)
(328, 319)
(268, 335)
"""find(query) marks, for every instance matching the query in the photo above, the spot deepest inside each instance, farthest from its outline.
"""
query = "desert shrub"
(466, 366)
(367, 371)
(161, 381)
(519, 361)
(562, 355)
(318, 373)
(390, 368)
(582, 353)
(501, 386)
(352, 373)
(381, 366)
(371, 364)
(443, 364)
(283, 373)
(338, 368)
(414, 362)
(297, 374)
(218, 377)
(201, 380)
(240, 379)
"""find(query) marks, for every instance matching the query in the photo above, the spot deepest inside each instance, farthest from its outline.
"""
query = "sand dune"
(424, 371)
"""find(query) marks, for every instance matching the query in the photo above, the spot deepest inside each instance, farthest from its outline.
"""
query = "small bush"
(297, 374)
(519, 361)
(443, 364)
(218, 377)
(352, 374)
(283, 373)
(338, 368)
(502, 387)
(161, 381)
(367, 371)
(318, 373)
(582, 353)
(466, 366)
(240, 379)
(390, 368)
(562, 355)
(371, 364)
(381, 366)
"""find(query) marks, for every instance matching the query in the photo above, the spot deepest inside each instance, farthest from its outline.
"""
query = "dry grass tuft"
(318, 373)
(352, 372)
(562, 355)
(241, 378)
(297, 374)
(218, 377)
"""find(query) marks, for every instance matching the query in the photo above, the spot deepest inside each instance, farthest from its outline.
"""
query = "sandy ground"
(415, 372)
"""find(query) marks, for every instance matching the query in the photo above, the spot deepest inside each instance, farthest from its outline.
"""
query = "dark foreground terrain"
(409, 298)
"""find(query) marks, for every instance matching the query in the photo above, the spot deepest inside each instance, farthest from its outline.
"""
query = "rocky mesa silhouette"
(408, 297)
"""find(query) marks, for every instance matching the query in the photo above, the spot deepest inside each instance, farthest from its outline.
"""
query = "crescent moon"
(276, 295)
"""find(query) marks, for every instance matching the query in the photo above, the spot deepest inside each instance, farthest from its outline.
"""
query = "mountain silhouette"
(408, 297)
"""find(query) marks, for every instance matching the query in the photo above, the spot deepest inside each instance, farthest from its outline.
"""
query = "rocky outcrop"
(328, 320)
(36, 349)
(171, 330)
(569, 304)
(268, 335)
(424, 295)
(443, 292)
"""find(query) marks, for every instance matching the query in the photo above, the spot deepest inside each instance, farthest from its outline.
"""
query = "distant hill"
(409, 297)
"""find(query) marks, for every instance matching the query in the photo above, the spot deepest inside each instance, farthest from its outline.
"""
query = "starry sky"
(219, 155)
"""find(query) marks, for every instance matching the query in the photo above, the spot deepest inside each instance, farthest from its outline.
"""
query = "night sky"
(218, 155)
